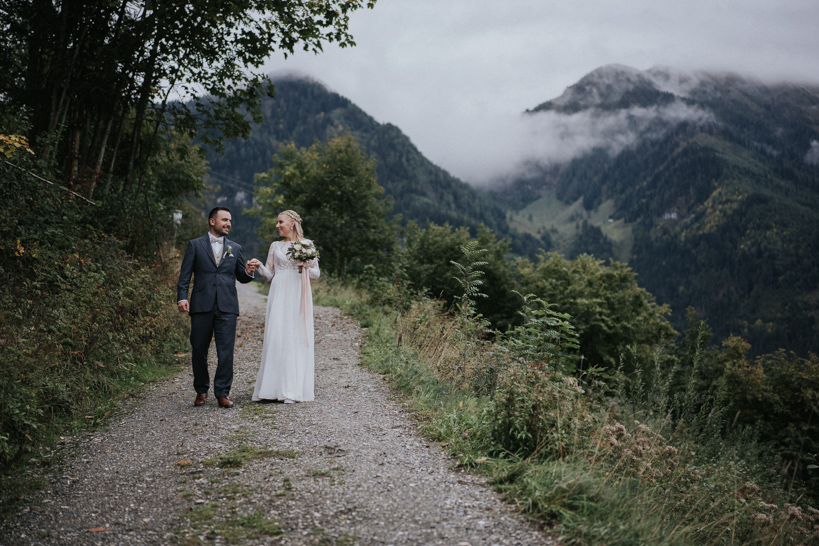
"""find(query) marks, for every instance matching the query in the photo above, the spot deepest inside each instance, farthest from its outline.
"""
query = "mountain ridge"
(304, 111)
(719, 202)
(706, 185)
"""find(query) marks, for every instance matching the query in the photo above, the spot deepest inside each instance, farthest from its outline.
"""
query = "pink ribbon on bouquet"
(305, 295)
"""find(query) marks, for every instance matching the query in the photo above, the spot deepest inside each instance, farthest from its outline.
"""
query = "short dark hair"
(215, 210)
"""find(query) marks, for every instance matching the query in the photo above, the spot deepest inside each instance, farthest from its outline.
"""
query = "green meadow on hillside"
(562, 222)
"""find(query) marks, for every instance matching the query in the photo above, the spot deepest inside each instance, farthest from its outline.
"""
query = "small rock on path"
(348, 468)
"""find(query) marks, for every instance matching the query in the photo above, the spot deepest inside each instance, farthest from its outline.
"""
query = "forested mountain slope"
(707, 185)
(304, 111)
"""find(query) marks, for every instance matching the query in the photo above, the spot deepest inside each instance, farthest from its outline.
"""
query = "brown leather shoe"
(200, 399)
(224, 402)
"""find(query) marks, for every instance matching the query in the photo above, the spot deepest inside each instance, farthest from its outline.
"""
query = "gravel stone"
(348, 468)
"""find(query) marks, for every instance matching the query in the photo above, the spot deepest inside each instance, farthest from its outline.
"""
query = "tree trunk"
(114, 153)
(74, 161)
(100, 156)
(142, 108)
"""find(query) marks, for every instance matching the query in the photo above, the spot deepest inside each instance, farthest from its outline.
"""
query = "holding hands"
(251, 266)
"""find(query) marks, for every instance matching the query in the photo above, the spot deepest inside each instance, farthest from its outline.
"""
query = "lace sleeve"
(268, 270)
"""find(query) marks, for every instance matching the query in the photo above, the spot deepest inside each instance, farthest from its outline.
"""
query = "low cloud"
(550, 138)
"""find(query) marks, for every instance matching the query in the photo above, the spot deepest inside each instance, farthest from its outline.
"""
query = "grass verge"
(593, 467)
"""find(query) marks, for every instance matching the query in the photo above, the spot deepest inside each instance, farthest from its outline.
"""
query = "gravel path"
(348, 468)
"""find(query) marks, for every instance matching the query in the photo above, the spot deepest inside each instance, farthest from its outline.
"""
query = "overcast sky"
(455, 75)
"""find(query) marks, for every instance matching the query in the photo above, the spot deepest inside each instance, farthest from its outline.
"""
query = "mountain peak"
(617, 86)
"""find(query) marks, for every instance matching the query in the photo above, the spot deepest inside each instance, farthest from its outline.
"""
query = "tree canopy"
(333, 187)
(98, 79)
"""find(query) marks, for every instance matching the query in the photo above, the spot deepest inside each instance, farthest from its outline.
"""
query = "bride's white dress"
(288, 363)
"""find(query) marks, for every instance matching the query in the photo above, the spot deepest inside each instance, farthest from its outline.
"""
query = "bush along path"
(347, 468)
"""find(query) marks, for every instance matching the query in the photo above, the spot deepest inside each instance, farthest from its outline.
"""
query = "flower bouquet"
(302, 250)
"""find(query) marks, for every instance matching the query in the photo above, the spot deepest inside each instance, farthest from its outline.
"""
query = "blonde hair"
(294, 216)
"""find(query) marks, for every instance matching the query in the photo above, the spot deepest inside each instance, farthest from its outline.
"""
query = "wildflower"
(813, 510)
(769, 506)
(670, 451)
(643, 428)
(762, 518)
(751, 488)
(794, 511)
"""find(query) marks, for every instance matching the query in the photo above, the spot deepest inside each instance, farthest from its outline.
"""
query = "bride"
(287, 368)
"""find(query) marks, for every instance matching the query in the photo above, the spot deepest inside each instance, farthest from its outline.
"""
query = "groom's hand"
(252, 265)
(183, 306)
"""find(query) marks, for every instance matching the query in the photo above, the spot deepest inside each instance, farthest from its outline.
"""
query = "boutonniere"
(228, 251)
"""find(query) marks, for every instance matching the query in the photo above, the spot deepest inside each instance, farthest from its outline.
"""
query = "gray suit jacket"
(211, 284)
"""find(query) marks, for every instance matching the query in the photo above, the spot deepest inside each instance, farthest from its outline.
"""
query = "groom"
(215, 262)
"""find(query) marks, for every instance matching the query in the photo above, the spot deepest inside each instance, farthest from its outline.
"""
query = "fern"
(546, 335)
(470, 277)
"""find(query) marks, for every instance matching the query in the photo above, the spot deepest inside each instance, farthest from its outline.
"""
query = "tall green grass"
(600, 466)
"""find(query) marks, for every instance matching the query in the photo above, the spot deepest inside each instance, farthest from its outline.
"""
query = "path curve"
(348, 468)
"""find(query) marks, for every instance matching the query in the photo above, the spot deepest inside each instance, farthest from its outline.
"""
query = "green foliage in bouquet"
(302, 250)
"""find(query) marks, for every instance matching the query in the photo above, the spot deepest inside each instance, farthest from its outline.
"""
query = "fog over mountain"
(455, 76)
(707, 184)
(612, 108)
(557, 137)
(812, 155)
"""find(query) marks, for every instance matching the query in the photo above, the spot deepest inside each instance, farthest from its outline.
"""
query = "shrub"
(545, 336)
(539, 412)
(609, 310)
(428, 255)
(333, 187)
(80, 320)
(457, 350)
